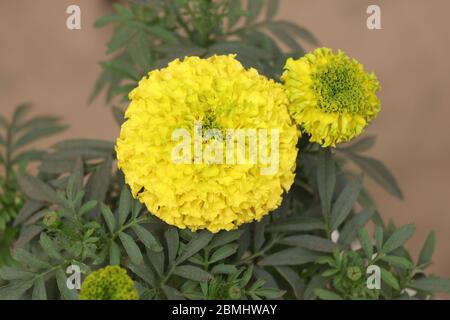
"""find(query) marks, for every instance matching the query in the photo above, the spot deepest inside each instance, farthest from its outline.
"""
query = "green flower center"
(339, 85)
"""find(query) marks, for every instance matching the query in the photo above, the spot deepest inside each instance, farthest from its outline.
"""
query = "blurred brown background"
(43, 62)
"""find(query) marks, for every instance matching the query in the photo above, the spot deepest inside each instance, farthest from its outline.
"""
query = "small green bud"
(52, 220)
(354, 273)
(234, 292)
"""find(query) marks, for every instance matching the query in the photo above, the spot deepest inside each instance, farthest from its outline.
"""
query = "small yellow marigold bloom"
(109, 283)
(221, 94)
(331, 96)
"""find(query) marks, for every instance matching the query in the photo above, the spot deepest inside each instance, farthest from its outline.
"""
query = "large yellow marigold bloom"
(221, 94)
(331, 96)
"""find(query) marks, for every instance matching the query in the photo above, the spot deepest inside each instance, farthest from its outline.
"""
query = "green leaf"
(292, 277)
(432, 284)
(30, 260)
(399, 262)
(258, 235)
(326, 180)
(224, 269)
(310, 242)
(272, 9)
(124, 205)
(223, 253)
(147, 238)
(389, 279)
(109, 218)
(172, 293)
(317, 282)
(379, 238)
(143, 271)
(192, 273)
(19, 114)
(358, 221)
(15, 290)
(299, 31)
(39, 291)
(118, 113)
(327, 294)
(427, 250)
(11, 274)
(61, 280)
(99, 182)
(366, 244)
(296, 225)
(289, 257)
(344, 203)
(398, 238)
(379, 173)
(88, 206)
(38, 133)
(121, 37)
(36, 189)
(224, 237)
(364, 144)
(269, 293)
(131, 248)
(254, 8)
(198, 242)
(157, 260)
(49, 247)
(114, 253)
(173, 242)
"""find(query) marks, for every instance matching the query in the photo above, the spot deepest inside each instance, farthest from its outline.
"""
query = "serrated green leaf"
(224, 237)
(172, 293)
(366, 244)
(358, 221)
(198, 242)
(157, 260)
(38, 133)
(296, 225)
(426, 253)
(147, 238)
(379, 238)
(49, 247)
(39, 291)
(99, 182)
(272, 9)
(192, 273)
(36, 189)
(224, 269)
(389, 279)
(223, 253)
(88, 206)
(399, 262)
(345, 202)
(109, 218)
(131, 248)
(254, 8)
(289, 257)
(398, 238)
(61, 280)
(292, 277)
(124, 205)
(310, 242)
(11, 274)
(173, 242)
(432, 284)
(326, 180)
(114, 254)
(379, 173)
(142, 271)
(15, 290)
(30, 260)
(325, 294)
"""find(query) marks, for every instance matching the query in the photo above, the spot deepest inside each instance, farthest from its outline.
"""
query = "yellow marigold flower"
(109, 283)
(331, 96)
(221, 94)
